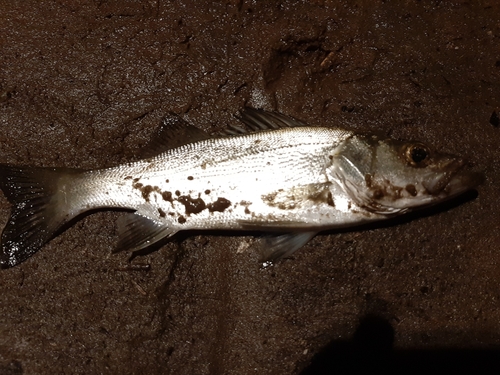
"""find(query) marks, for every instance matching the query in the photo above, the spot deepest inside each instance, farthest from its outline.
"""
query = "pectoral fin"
(274, 247)
(137, 232)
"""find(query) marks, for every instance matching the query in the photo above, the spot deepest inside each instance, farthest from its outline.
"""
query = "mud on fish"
(276, 174)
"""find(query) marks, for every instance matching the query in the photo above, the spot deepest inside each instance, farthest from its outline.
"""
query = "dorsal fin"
(173, 132)
(259, 119)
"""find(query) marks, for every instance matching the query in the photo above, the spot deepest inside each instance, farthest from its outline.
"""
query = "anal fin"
(137, 232)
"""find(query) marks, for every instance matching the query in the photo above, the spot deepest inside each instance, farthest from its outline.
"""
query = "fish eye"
(417, 154)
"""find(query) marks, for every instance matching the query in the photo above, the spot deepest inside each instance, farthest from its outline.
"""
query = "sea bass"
(282, 176)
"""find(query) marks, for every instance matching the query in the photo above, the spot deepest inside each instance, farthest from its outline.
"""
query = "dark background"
(85, 84)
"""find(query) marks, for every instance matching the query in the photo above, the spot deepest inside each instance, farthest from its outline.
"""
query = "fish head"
(387, 176)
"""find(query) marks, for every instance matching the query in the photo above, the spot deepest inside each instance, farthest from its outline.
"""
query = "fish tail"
(39, 208)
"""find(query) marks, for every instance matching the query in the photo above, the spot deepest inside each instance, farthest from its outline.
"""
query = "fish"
(272, 174)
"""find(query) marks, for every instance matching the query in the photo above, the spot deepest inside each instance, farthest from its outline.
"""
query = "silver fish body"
(276, 177)
(286, 178)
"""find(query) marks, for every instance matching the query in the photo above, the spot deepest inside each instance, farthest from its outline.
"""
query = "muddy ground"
(86, 83)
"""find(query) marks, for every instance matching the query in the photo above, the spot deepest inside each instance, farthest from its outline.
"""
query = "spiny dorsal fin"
(173, 132)
(259, 119)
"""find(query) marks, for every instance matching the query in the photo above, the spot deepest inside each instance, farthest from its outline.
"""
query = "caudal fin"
(39, 209)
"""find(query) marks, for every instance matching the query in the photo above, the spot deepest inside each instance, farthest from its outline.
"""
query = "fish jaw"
(461, 182)
(449, 187)
(450, 179)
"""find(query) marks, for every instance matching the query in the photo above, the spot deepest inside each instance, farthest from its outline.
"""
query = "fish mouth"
(454, 180)
(463, 181)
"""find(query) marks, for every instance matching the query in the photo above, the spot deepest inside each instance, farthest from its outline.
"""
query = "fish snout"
(451, 176)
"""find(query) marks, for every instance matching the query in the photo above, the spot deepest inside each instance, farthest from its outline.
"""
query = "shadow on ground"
(371, 351)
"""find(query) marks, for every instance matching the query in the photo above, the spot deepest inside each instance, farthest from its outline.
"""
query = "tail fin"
(39, 209)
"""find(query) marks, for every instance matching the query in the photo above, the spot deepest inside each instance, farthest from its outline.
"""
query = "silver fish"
(283, 177)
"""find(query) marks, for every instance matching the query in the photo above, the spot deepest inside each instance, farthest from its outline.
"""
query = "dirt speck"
(219, 205)
(192, 205)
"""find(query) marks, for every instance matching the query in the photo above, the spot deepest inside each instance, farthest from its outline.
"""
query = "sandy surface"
(85, 84)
